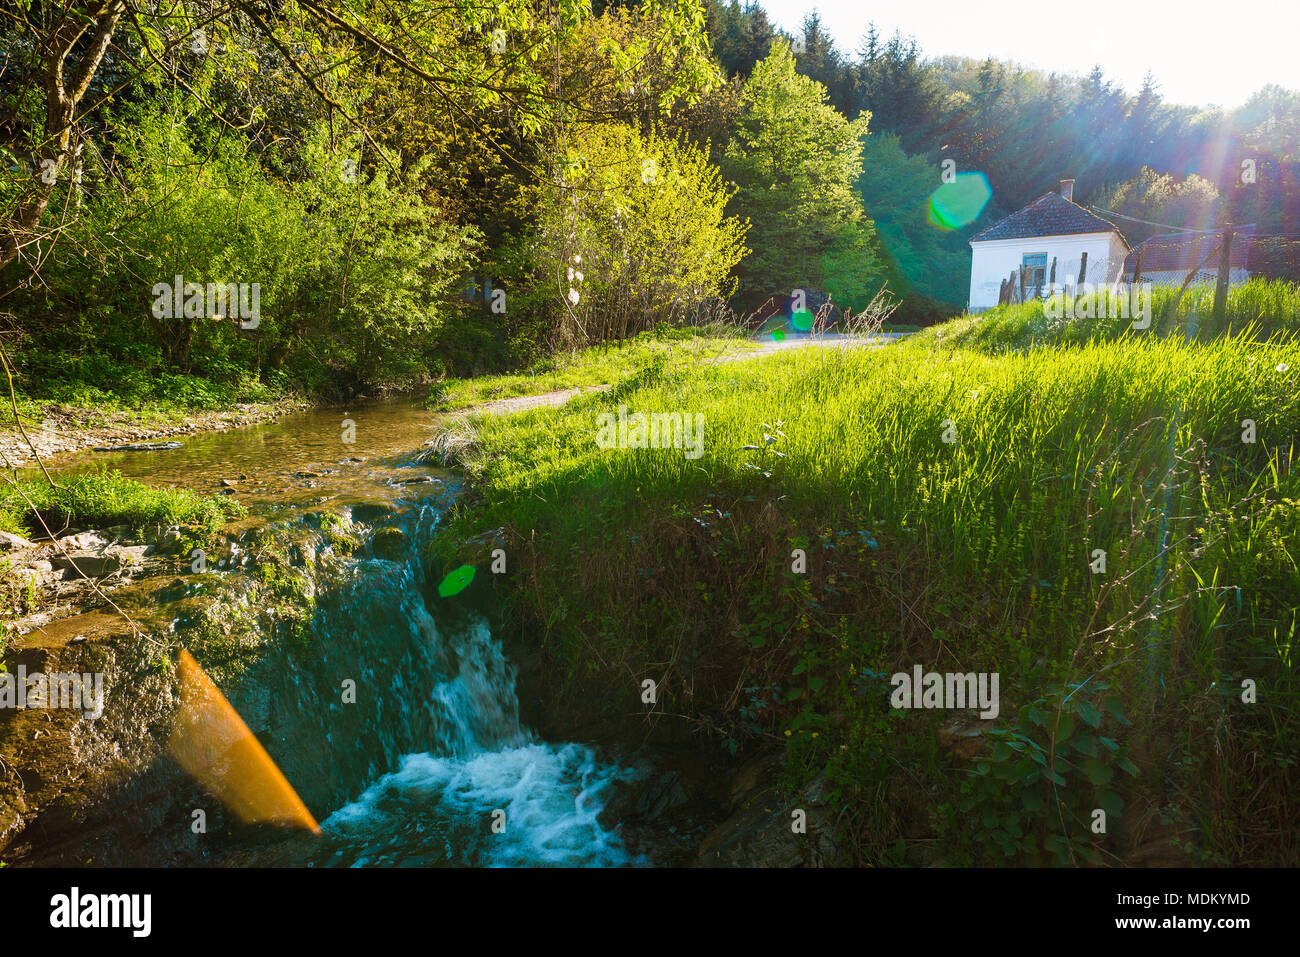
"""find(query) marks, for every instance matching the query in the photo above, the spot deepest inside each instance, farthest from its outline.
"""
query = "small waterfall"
(429, 766)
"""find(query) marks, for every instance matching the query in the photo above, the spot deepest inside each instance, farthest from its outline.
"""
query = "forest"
(448, 189)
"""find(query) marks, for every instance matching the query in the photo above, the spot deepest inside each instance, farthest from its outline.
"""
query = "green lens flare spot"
(778, 335)
(802, 320)
(456, 581)
(959, 203)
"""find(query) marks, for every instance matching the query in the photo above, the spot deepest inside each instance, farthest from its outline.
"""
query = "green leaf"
(1124, 764)
(1097, 772)
(1111, 803)
(1088, 713)
(1110, 744)
(1116, 709)
(1085, 744)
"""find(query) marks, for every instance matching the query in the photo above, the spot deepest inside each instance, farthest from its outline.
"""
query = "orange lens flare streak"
(212, 743)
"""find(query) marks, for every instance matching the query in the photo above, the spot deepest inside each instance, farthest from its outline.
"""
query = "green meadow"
(1106, 519)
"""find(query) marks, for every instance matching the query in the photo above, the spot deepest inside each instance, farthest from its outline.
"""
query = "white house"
(1050, 240)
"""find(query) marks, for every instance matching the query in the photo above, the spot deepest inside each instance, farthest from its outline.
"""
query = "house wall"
(992, 262)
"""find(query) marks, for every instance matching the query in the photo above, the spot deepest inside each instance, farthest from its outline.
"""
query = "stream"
(430, 766)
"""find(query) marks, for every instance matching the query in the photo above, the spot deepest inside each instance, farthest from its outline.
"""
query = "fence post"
(1221, 283)
(1083, 269)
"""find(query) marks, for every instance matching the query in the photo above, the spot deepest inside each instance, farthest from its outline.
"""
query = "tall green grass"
(1260, 308)
(970, 555)
(102, 500)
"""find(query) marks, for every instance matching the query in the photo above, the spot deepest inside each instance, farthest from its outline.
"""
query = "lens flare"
(211, 742)
(959, 203)
(802, 320)
(456, 581)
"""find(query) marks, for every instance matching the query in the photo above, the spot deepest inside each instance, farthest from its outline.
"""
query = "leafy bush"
(631, 231)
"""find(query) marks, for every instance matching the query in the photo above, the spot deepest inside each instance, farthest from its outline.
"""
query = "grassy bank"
(104, 500)
(856, 514)
(1258, 309)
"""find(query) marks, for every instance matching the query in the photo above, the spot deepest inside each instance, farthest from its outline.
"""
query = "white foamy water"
(439, 807)
(440, 811)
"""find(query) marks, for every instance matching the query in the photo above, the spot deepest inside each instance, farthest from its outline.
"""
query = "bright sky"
(1200, 51)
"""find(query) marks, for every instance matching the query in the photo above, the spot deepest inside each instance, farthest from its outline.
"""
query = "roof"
(1049, 215)
(1184, 251)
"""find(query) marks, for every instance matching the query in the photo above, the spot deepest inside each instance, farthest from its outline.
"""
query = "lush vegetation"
(1121, 689)
(477, 190)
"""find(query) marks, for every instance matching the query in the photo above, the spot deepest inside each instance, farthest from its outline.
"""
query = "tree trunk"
(62, 98)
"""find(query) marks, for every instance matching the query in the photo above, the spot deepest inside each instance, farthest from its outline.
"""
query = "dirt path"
(521, 403)
(833, 340)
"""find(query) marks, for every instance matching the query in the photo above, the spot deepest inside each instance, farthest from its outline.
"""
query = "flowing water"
(430, 766)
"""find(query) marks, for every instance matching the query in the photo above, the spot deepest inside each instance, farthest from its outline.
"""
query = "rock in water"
(389, 543)
(139, 447)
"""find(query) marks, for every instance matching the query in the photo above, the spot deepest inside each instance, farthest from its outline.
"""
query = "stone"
(661, 794)
(82, 541)
(759, 832)
(389, 543)
(962, 739)
(139, 447)
(10, 542)
(104, 562)
(372, 512)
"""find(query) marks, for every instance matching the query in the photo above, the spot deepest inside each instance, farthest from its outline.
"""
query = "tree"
(1190, 203)
(931, 263)
(794, 161)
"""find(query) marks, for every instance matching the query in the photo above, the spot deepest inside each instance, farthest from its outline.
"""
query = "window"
(1033, 267)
